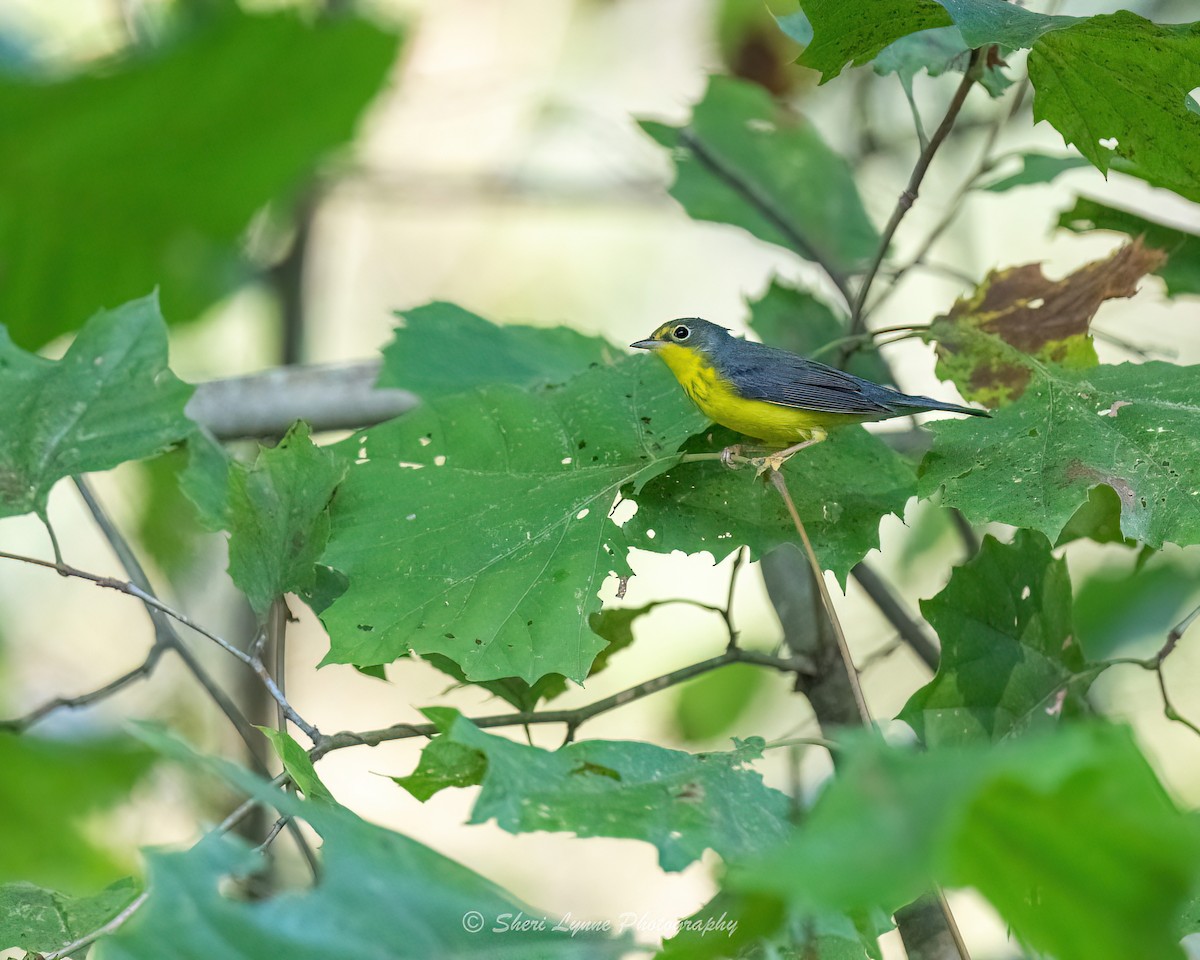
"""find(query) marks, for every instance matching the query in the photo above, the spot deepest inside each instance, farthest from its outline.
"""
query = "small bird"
(772, 395)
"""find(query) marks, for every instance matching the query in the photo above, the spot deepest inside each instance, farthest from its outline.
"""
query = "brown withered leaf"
(988, 343)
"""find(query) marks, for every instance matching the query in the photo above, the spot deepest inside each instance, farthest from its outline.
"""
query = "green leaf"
(777, 157)
(41, 921)
(841, 488)
(1010, 662)
(1180, 272)
(1121, 77)
(110, 399)
(432, 903)
(477, 526)
(1036, 168)
(994, 342)
(1132, 427)
(936, 51)
(279, 517)
(297, 764)
(119, 180)
(710, 705)
(47, 789)
(1121, 611)
(682, 803)
(795, 320)
(442, 349)
(205, 480)
(998, 21)
(844, 33)
(1069, 836)
(614, 625)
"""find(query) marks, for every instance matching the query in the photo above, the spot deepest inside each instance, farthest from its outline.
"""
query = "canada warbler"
(770, 394)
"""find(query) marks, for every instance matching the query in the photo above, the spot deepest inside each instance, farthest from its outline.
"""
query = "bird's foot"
(774, 461)
(734, 450)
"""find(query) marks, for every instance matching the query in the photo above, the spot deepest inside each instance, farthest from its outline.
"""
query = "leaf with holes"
(477, 526)
(841, 488)
(1117, 85)
(1131, 427)
(1010, 662)
(111, 398)
(989, 343)
(776, 158)
(682, 803)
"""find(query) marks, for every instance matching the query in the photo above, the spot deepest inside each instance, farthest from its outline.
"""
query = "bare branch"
(573, 718)
(909, 195)
(910, 631)
(327, 396)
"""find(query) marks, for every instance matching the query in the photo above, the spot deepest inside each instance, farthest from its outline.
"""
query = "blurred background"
(492, 159)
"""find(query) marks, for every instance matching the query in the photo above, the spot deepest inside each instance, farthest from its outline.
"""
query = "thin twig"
(727, 612)
(133, 590)
(89, 938)
(748, 192)
(573, 718)
(910, 192)
(860, 702)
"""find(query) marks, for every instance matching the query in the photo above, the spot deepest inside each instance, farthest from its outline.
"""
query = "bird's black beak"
(646, 344)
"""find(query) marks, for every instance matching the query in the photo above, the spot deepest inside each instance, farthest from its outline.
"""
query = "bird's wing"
(777, 376)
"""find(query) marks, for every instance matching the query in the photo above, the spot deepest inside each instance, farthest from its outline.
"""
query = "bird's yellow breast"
(719, 400)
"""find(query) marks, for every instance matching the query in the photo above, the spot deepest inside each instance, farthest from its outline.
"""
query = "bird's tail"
(920, 404)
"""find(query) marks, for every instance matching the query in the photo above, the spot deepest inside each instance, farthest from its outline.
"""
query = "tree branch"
(573, 718)
(910, 631)
(909, 195)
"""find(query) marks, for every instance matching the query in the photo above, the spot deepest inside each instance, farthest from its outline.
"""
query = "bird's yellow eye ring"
(681, 332)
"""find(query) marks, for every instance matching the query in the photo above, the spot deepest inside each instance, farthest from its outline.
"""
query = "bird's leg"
(776, 460)
(727, 455)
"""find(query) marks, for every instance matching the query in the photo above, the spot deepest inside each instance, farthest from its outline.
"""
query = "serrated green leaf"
(444, 763)
(614, 625)
(777, 156)
(1130, 427)
(442, 349)
(841, 488)
(47, 789)
(297, 764)
(1180, 272)
(1069, 836)
(1010, 663)
(844, 33)
(477, 526)
(111, 398)
(1036, 168)
(148, 171)
(795, 320)
(1119, 77)
(38, 920)
(682, 803)
(279, 517)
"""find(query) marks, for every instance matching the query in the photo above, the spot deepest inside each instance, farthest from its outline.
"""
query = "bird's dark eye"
(681, 332)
